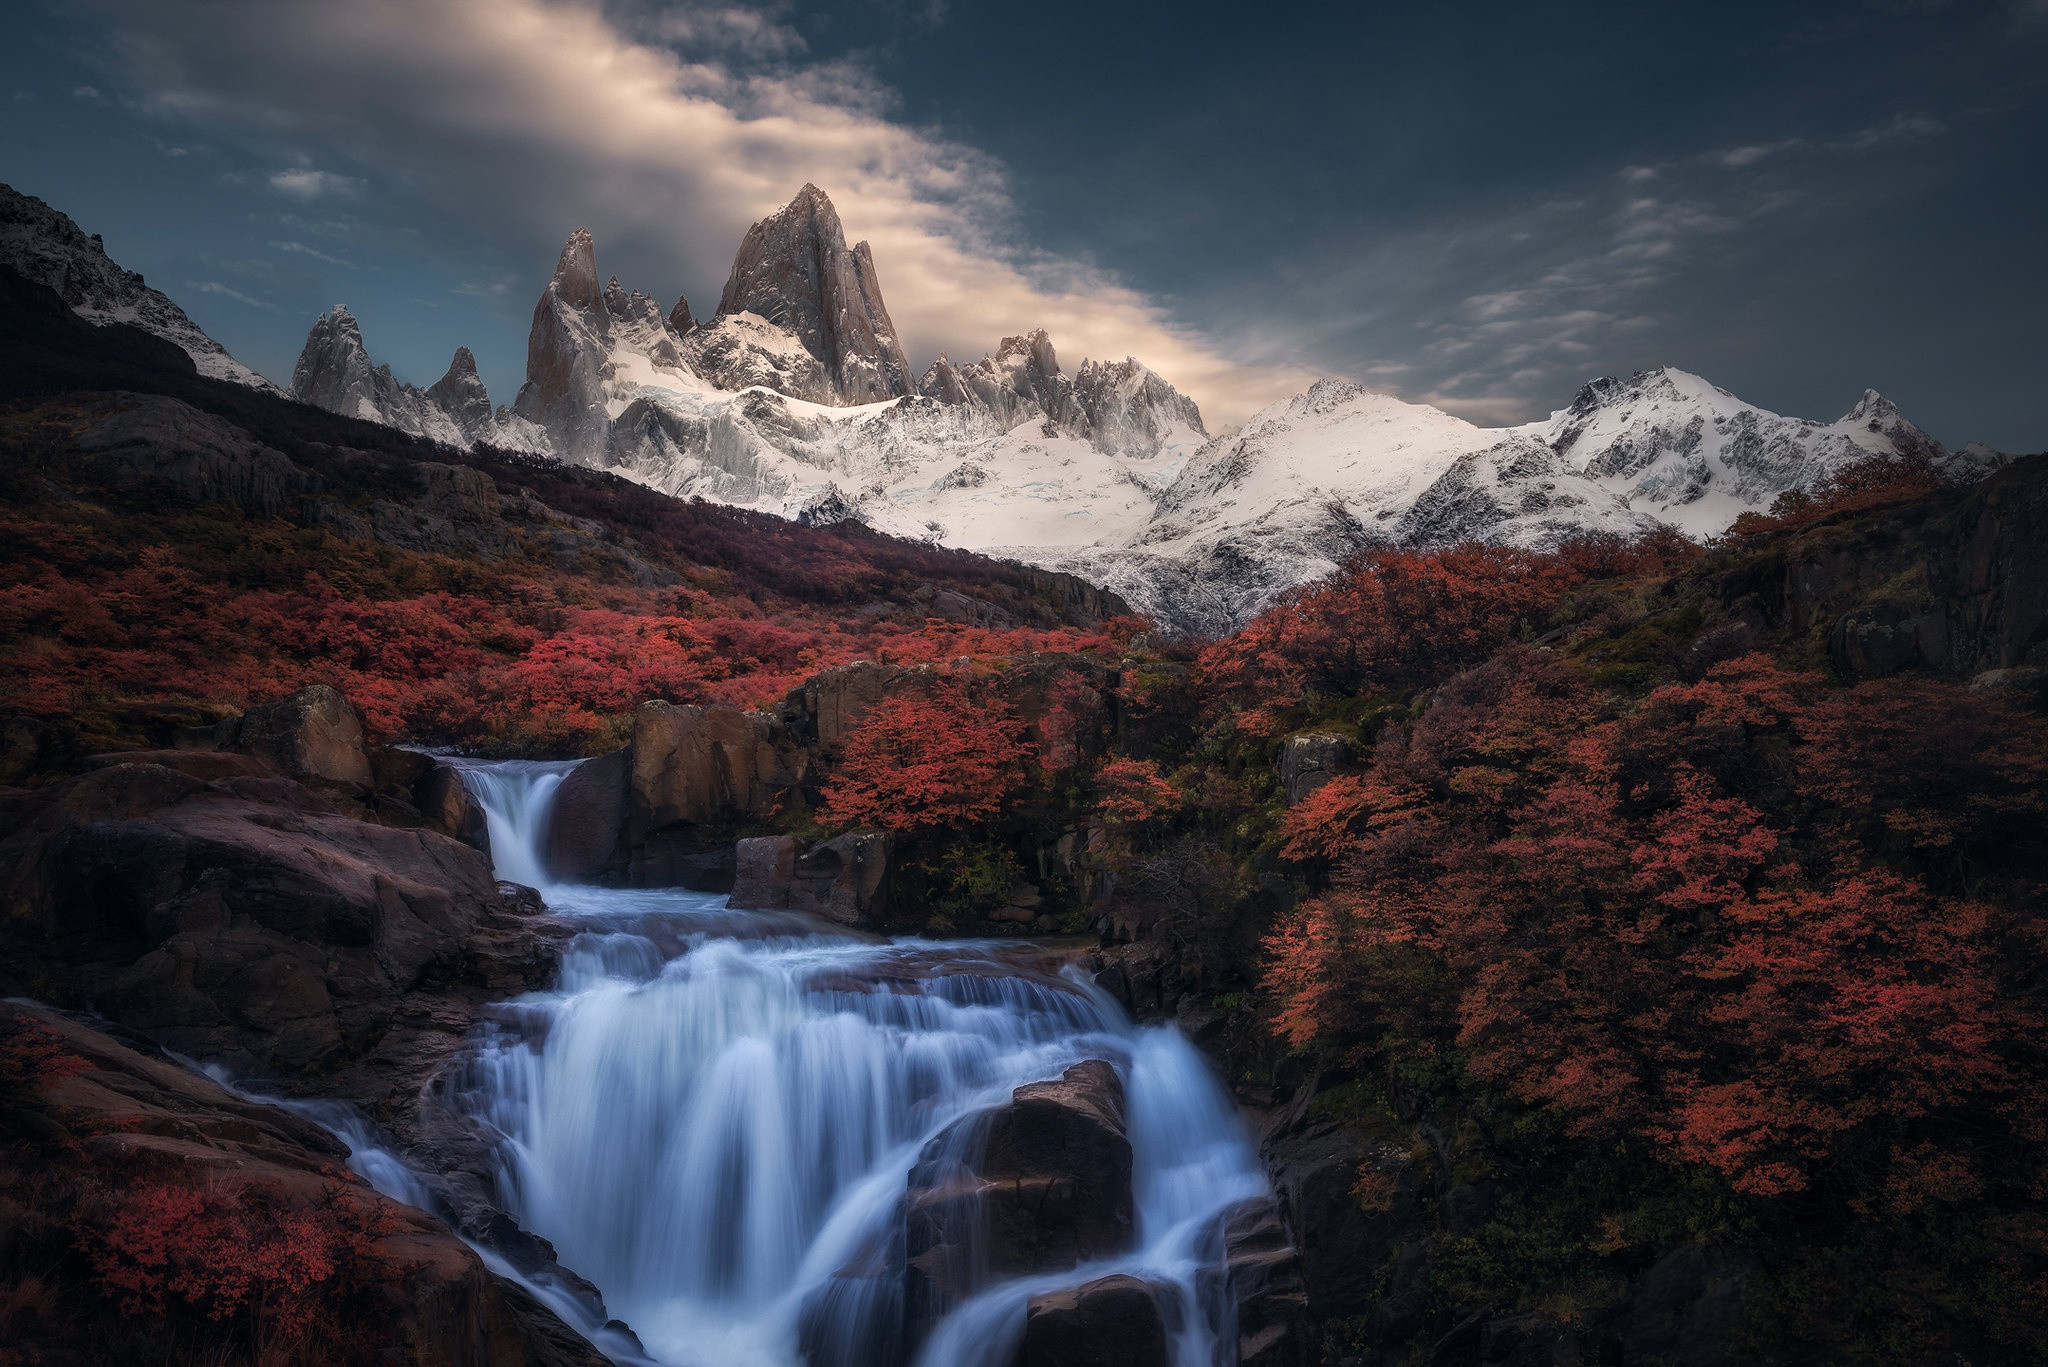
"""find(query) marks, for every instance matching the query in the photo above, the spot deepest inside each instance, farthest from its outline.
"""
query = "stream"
(713, 1113)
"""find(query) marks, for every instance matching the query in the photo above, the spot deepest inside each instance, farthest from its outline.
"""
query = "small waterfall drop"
(713, 1115)
(517, 798)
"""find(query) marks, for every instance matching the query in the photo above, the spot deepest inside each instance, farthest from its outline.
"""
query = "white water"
(713, 1115)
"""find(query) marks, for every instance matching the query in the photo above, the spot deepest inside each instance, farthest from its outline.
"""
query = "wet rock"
(445, 805)
(589, 817)
(1116, 1321)
(1260, 1279)
(1308, 762)
(239, 916)
(763, 869)
(432, 1302)
(1038, 1185)
(844, 879)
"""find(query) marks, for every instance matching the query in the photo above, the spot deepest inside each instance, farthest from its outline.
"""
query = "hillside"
(176, 547)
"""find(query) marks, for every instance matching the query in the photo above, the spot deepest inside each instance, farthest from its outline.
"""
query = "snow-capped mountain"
(1314, 479)
(794, 399)
(1691, 454)
(47, 247)
(335, 372)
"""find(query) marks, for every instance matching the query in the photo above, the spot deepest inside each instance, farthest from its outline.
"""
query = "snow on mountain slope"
(47, 247)
(1318, 477)
(1695, 456)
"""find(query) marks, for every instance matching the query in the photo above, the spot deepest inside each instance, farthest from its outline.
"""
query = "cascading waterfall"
(713, 1115)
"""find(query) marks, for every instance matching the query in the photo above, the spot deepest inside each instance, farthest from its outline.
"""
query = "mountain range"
(796, 397)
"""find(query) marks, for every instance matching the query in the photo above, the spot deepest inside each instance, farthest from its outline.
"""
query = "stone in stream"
(1115, 1321)
(589, 814)
(843, 879)
(1038, 1185)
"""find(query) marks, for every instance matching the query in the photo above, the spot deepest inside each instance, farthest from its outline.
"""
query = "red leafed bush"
(1132, 790)
(32, 1056)
(1675, 921)
(247, 1256)
(924, 761)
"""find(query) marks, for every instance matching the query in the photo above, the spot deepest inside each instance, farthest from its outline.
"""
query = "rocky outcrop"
(1956, 583)
(844, 879)
(589, 818)
(1038, 1185)
(111, 1115)
(795, 272)
(239, 915)
(335, 372)
(1120, 407)
(1308, 762)
(46, 247)
(163, 444)
(1116, 1321)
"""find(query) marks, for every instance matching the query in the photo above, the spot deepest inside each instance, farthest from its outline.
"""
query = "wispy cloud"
(667, 130)
(84, 92)
(301, 249)
(306, 185)
(216, 287)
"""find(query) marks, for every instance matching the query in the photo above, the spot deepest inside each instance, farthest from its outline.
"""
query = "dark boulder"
(239, 916)
(1116, 1321)
(1038, 1185)
(588, 817)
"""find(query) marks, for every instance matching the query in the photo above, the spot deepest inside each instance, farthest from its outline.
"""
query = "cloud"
(506, 123)
(84, 92)
(1900, 127)
(216, 287)
(308, 185)
(302, 249)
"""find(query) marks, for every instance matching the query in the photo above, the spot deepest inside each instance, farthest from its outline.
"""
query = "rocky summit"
(795, 271)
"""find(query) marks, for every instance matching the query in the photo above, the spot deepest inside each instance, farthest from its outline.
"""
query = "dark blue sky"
(1478, 205)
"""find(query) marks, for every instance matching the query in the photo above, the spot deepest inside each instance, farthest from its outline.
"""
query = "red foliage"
(1391, 620)
(32, 1056)
(918, 761)
(1128, 791)
(1636, 922)
(245, 1255)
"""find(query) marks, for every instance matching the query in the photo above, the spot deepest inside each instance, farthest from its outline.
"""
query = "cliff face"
(794, 270)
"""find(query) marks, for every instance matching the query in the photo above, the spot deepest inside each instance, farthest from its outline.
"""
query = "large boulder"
(408, 1291)
(844, 879)
(314, 736)
(705, 765)
(826, 707)
(1038, 1185)
(588, 817)
(694, 774)
(239, 916)
(1115, 1321)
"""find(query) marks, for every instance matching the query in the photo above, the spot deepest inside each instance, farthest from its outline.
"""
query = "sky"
(1479, 206)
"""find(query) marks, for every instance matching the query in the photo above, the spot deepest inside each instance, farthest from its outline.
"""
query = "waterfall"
(517, 797)
(713, 1115)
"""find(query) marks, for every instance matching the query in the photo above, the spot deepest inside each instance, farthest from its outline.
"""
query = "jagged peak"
(463, 363)
(575, 278)
(680, 319)
(1872, 407)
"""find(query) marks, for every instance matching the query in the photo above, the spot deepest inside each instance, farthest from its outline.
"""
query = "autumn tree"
(924, 760)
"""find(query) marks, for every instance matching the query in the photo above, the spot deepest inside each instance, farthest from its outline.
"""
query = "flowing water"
(713, 1114)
